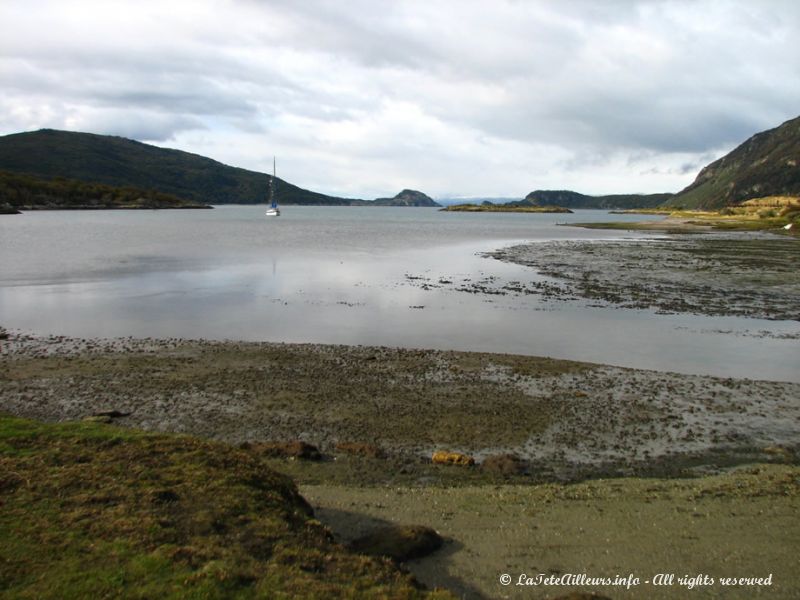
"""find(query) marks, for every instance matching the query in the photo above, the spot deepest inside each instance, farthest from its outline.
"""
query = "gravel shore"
(567, 419)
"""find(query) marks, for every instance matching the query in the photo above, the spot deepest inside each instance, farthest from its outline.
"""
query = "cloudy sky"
(452, 97)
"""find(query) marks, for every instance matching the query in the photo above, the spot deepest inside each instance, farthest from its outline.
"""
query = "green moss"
(91, 511)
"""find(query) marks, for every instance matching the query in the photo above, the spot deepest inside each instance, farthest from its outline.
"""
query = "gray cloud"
(366, 96)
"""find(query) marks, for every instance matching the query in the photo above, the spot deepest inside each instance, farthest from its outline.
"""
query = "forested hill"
(569, 199)
(767, 164)
(121, 162)
(24, 192)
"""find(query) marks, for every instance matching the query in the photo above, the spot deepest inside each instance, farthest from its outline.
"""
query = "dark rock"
(111, 414)
(399, 542)
(293, 449)
(504, 464)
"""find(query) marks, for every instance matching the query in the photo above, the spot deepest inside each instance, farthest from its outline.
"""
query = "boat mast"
(274, 184)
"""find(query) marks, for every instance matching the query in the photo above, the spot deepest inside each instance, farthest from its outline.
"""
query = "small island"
(490, 207)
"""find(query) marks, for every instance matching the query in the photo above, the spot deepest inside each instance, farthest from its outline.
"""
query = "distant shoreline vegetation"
(489, 207)
(765, 165)
(24, 193)
(779, 214)
(119, 162)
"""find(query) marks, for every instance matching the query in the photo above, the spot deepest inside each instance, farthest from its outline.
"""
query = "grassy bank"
(91, 510)
(773, 213)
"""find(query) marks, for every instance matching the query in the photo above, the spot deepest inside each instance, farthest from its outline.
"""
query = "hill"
(95, 511)
(118, 161)
(767, 164)
(487, 206)
(23, 192)
(569, 199)
(407, 198)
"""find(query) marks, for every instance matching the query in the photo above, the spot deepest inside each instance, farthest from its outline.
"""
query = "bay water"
(348, 275)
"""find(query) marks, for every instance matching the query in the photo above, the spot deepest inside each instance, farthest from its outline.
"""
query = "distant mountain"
(407, 198)
(569, 199)
(476, 200)
(767, 164)
(121, 162)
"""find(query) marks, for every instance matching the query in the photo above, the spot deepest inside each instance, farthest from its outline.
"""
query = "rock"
(399, 542)
(293, 449)
(443, 457)
(111, 414)
(504, 464)
(7, 209)
(359, 449)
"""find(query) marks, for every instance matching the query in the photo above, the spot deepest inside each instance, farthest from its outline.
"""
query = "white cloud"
(463, 97)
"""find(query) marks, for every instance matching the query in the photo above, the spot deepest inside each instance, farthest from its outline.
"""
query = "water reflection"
(311, 280)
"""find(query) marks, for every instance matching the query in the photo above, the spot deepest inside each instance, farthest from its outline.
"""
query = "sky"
(455, 98)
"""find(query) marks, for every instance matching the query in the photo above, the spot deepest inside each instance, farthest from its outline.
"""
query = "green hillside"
(118, 161)
(569, 199)
(23, 192)
(767, 164)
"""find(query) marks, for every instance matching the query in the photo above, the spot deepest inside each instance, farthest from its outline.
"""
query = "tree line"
(22, 191)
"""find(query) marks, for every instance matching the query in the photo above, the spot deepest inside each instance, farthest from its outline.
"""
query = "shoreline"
(735, 274)
(544, 410)
(694, 511)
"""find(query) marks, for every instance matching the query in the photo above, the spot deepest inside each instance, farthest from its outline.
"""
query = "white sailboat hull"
(273, 212)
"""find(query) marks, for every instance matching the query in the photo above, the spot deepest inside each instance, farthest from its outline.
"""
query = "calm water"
(340, 275)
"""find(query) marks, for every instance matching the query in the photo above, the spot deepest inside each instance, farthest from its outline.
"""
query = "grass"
(770, 213)
(92, 511)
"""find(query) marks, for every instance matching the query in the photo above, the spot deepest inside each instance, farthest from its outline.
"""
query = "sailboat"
(273, 210)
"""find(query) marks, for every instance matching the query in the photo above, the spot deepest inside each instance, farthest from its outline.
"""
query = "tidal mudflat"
(616, 470)
(743, 275)
(567, 419)
(577, 428)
